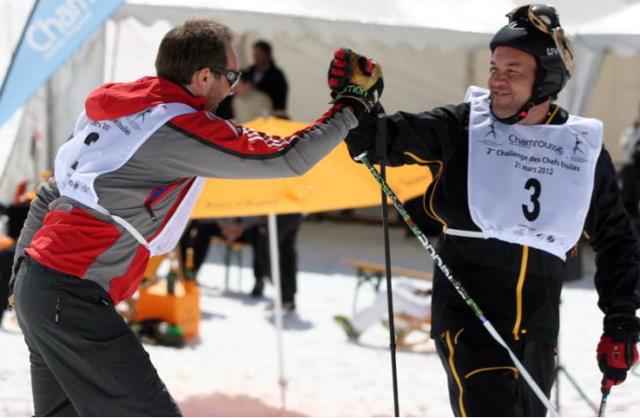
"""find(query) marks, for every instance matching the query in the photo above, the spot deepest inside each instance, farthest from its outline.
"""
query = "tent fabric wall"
(389, 22)
(615, 99)
(29, 153)
(617, 30)
(8, 135)
(69, 87)
(575, 96)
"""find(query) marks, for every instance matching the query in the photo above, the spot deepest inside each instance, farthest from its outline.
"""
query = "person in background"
(16, 214)
(264, 77)
(629, 178)
(630, 138)
(269, 78)
(7, 252)
(253, 231)
(629, 175)
(199, 233)
(288, 227)
(250, 103)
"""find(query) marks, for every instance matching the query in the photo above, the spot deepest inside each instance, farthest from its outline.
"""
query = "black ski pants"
(482, 379)
(288, 226)
(84, 358)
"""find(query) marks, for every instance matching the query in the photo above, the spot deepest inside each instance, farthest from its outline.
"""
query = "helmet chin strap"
(517, 117)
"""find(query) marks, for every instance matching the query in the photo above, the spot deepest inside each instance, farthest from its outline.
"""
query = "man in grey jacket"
(123, 190)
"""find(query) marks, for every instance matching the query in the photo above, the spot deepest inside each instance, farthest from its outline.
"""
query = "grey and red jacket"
(149, 184)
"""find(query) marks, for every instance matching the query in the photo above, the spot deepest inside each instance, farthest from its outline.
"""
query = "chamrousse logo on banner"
(48, 33)
(54, 30)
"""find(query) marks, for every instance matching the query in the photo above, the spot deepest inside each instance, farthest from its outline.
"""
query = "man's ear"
(202, 76)
(198, 79)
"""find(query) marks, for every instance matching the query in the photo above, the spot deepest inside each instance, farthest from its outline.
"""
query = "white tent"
(430, 51)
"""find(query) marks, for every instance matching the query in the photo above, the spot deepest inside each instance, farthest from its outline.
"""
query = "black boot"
(258, 288)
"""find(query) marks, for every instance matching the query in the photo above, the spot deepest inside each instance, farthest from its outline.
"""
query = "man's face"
(219, 87)
(511, 78)
(260, 58)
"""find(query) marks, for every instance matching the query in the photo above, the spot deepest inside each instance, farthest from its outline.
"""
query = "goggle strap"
(526, 13)
(564, 49)
(563, 46)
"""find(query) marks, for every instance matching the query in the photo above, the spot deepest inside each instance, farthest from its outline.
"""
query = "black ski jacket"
(517, 287)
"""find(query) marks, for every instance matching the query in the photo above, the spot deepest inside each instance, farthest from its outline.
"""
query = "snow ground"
(233, 369)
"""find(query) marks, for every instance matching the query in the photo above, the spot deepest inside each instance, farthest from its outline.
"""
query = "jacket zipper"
(149, 209)
(157, 195)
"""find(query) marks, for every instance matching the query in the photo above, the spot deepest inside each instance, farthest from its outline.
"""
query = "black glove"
(355, 80)
(362, 138)
(617, 351)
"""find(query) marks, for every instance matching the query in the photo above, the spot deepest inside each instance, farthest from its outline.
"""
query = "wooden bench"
(375, 270)
(368, 272)
(374, 273)
(412, 332)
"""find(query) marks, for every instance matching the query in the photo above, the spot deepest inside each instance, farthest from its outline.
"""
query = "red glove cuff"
(615, 353)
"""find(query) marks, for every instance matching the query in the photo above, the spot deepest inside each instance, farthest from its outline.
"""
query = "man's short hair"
(196, 44)
(264, 46)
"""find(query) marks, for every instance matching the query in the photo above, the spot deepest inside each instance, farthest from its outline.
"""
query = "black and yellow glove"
(355, 80)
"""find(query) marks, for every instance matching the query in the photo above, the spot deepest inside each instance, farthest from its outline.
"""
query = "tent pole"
(116, 48)
(50, 147)
(275, 275)
(470, 68)
(381, 151)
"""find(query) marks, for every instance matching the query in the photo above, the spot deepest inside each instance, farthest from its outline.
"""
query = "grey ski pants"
(84, 358)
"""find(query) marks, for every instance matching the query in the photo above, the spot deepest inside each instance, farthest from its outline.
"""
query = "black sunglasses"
(233, 77)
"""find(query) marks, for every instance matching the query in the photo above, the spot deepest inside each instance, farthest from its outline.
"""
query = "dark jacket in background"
(273, 83)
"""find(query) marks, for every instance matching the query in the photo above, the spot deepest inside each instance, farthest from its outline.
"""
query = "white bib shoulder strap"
(99, 147)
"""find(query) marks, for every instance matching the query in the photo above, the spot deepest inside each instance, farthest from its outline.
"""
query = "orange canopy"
(335, 183)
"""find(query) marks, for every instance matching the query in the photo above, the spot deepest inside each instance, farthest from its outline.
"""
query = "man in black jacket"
(517, 181)
(268, 78)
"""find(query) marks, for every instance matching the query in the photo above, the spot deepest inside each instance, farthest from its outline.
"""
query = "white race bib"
(530, 184)
(100, 147)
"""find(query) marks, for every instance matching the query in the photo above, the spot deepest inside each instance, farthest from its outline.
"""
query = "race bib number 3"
(531, 184)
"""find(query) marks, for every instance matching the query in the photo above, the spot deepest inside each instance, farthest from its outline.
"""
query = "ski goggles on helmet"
(233, 77)
(545, 19)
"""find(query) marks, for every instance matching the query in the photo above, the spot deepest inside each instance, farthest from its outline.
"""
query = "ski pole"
(456, 284)
(603, 403)
(381, 145)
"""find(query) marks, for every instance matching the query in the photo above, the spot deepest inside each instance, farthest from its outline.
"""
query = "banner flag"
(54, 30)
